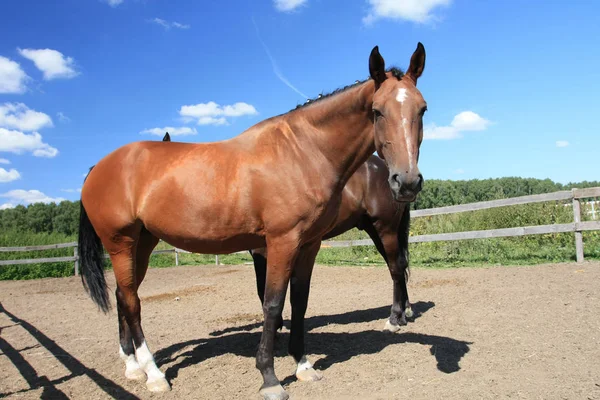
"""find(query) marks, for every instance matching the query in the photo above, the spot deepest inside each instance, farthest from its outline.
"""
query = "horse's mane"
(396, 72)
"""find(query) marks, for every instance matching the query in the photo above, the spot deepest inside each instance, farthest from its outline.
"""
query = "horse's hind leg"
(130, 267)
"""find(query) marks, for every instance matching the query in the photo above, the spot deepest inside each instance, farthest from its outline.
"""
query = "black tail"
(403, 233)
(91, 261)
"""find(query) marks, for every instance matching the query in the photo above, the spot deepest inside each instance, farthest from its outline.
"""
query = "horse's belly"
(205, 245)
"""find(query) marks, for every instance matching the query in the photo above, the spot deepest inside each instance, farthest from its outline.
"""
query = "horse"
(278, 185)
(367, 204)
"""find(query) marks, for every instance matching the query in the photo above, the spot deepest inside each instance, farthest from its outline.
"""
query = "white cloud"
(562, 143)
(4, 161)
(9, 176)
(12, 77)
(459, 171)
(184, 130)
(52, 63)
(25, 197)
(213, 114)
(71, 190)
(18, 142)
(288, 5)
(62, 117)
(113, 3)
(168, 25)
(419, 11)
(6, 206)
(463, 122)
(19, 116)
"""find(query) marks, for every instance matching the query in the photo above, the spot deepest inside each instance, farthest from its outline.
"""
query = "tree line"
(64, 217)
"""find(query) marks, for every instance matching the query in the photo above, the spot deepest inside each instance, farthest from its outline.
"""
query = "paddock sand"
(480, 333)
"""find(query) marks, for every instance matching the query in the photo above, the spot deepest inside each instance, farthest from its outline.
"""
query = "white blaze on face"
(402, 95)
(408, 141)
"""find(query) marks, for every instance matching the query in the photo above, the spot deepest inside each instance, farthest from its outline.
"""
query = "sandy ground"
(480, 333)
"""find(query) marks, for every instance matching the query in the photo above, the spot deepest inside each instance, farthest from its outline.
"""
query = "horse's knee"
(398, 268)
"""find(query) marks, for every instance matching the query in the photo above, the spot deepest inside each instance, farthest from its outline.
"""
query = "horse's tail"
(91, 261)
(403, 233)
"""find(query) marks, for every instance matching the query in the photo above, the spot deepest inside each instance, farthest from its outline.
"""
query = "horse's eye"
(377, 113)
(423, 110)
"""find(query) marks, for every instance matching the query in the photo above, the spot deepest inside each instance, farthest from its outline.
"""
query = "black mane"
(396, 73)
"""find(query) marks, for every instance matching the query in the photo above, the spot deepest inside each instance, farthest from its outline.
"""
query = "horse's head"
(398, 109)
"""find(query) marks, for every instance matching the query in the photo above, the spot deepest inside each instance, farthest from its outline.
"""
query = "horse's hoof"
(391, 327)
(308, 375)
(136, 374)
(274, 393)
(409, 312)
(158, 385)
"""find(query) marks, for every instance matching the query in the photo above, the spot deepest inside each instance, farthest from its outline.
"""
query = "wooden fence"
(577, 227)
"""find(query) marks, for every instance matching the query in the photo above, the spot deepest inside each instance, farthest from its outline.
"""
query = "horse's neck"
(343, 130)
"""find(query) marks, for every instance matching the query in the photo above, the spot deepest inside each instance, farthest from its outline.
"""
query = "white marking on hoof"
(158, 385)
(408, 311)
(305, 371)
(401, 96)
(156, 379)
(391, 327)
(132, 368)
(274, 393)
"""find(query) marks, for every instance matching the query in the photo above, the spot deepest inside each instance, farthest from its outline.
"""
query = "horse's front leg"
(300, 287)
(397, 260)
(282, 255)
(259, 256)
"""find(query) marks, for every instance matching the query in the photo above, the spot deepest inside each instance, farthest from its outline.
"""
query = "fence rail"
(577, 227)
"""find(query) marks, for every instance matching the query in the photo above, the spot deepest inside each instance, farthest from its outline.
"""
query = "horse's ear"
(167, 138)
(377, 67)
(417, 63)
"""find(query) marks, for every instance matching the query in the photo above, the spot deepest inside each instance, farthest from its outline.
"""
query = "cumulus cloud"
(52, 63)
(181, 131)
(19, 116)
(71, 190)
(6, 206)
(4, 161)
(562, 143)
(212, 113)
(168, 24)
(20, 196)
(18, 142)
(12, 78)
(9, 175)
(288, 5)
(463, 122)
(419, 11)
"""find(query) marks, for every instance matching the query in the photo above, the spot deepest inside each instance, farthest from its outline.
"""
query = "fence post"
(76, 260)
(578, 234)
(176, 257)
(216, 259)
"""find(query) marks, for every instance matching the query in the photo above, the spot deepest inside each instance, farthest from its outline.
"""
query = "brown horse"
(278, 184)
(367, 204)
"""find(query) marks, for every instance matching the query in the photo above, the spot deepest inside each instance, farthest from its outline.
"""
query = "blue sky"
(512, 87)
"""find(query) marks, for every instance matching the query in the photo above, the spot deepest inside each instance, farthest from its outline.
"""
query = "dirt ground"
(480, 333)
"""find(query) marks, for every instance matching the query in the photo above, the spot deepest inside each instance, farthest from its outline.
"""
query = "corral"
(494, 332)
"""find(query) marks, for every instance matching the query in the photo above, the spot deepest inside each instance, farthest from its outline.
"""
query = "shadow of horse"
(336, 347)
(353, 317)
(75, 367)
